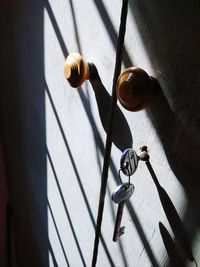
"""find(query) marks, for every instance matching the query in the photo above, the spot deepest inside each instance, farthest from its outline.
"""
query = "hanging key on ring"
(128, 165)
(121, 194)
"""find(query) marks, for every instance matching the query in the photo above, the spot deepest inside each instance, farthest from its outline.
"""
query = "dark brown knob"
(76, 70)
(134, 89)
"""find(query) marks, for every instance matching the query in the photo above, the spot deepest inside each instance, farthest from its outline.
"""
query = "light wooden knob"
(134, 89)
(76, 70)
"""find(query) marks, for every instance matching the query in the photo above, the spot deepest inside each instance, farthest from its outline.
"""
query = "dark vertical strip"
(8, 236)
(23, 128)
(104, 177)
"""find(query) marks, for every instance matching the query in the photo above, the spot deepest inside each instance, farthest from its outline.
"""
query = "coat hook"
(134, 89)
(76, 70)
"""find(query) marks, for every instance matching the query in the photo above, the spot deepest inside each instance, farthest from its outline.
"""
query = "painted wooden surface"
(54, 137)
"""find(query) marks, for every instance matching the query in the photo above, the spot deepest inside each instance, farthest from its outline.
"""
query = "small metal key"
(121, 194)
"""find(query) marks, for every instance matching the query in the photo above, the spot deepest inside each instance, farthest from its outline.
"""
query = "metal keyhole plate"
(129, 162)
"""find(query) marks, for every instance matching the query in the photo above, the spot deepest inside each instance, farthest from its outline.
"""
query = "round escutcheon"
(129, 162)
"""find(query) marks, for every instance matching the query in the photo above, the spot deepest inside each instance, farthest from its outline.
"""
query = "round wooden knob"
(76, 70)
(134, 89)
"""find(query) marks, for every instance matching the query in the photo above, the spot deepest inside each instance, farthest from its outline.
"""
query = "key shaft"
(121, 194)
(118, 221)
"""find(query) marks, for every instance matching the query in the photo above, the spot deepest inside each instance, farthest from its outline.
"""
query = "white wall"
(78, 157)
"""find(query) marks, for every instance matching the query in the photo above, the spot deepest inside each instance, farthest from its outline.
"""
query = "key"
(121, 194)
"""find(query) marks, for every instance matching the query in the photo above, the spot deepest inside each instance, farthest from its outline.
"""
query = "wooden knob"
(76, 70)
(134, 89)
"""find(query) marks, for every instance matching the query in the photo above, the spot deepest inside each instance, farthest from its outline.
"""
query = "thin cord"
(104, 177)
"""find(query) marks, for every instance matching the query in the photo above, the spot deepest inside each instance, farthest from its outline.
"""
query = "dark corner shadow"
(182, 151)
(171, 36)
(121, 133)
(173, 217)
(23, 129)
(166, 43)
(175, 259)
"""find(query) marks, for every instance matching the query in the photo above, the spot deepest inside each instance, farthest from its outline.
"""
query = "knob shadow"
(172, 216)
(121, 133)
(172, 251)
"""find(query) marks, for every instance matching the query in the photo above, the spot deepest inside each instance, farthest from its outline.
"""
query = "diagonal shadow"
(113, 169)
(56, 28)
(142, 235)
(119, 241)
(66, 209)
(77, 175)
(75, 25)
(123, 140)
(129, 206)
(172, 251)
(85, 100)
(53, 256)
(172, 216)
(111, 30)
(54, 222)
(170, 138)
(100, 146)
(103, 100)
